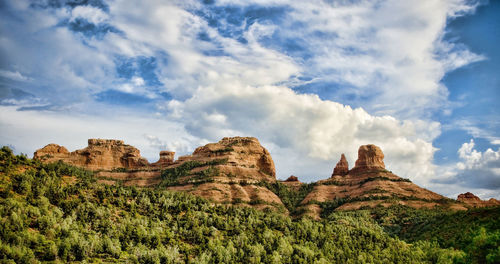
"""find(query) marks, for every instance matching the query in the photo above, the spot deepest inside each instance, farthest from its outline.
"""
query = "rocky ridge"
(472, 200)
(239, 170)
(229, 171)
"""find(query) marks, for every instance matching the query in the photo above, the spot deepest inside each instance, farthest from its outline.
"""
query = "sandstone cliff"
(370, 158)
(229, 171)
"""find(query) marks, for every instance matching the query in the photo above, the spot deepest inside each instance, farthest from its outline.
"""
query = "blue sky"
(310, 80)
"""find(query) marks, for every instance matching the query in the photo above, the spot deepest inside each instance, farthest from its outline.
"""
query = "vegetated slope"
(369, 184)
(58, 212)
(476, 231)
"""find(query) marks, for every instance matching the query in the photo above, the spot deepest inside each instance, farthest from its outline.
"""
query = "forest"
(57, 213)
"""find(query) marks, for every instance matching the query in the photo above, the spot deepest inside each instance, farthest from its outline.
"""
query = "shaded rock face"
(342, 167)
(470, 199)
(468, 196)
(370, 158)
(292, 179)
(100, 154)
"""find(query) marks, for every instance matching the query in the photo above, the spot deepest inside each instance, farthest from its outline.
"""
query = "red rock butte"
(101, 154)
(370, 158)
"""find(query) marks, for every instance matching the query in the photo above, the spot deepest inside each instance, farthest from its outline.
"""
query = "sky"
(310, 79)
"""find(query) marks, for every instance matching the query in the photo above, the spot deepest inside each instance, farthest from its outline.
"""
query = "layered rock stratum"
(239, 170)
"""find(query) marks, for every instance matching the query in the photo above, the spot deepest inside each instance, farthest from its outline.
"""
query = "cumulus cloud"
(240, 76)
(476, 169)
(305, 128)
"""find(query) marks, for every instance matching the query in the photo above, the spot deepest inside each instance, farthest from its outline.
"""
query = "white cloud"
(476, 171)
(305, 128)
(390, 54)
(91, 14)
(16, 76)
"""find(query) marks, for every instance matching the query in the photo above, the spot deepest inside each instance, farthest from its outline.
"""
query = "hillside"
(57, 212)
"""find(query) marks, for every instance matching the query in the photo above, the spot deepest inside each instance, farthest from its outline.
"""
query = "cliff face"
(230, 171)
(370, 158)
(245, 158)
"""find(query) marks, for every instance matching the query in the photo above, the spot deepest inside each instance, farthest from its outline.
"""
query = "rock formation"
(342, 167)
(233, 169)
(472, 200)
(227, 171)
(243, 152)
(292, 179)
(51, 151)
(369, 184)
(166, 158)
(100, 154)
(370, 158)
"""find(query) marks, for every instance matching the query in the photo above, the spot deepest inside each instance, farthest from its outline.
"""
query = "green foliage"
(170, 176)
(44, 218)
(476, 231)
(224, 150)
(290, 198)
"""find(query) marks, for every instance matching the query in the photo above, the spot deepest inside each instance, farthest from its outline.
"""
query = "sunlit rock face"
(370, 158)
